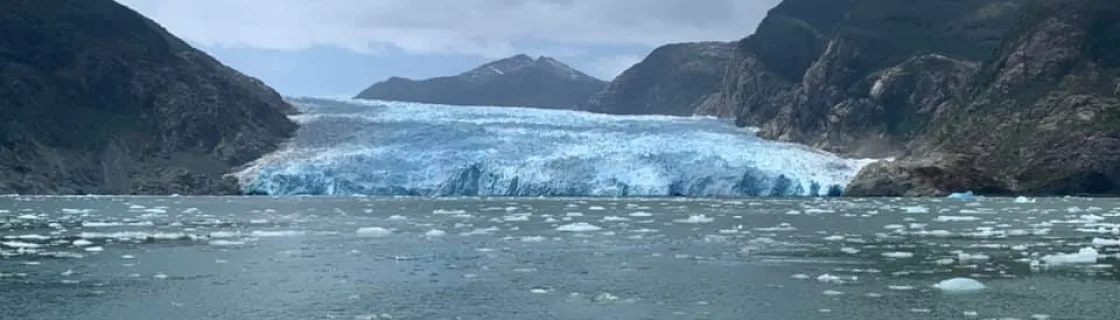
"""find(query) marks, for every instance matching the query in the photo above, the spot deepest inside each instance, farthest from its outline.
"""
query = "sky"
(339, 47)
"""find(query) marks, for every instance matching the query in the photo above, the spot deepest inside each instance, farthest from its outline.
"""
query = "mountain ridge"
(996, 96)
(518, 80)
(98, 99)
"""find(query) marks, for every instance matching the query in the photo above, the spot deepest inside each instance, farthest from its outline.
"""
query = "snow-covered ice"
(960, 285)
(347, 147)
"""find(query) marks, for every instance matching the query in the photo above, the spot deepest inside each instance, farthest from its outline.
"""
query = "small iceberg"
(1087, 255)
(1022, 199)
(960, 285)
(967, 195)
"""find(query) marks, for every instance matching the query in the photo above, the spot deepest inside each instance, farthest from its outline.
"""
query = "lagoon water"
(555, 258)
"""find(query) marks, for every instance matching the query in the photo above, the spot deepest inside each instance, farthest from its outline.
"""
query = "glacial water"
(353, 147)
(364, 258)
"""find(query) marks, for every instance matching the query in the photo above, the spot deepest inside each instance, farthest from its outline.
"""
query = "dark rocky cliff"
(1042, 116)
(515, 81)
(675, 79)
(998, 96)
(95, 98)
(863, 77)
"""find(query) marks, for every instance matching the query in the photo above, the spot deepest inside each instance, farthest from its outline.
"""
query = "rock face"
(845, 75)
(675, 79)
(515, 81)
(997, 96)
(95, 98)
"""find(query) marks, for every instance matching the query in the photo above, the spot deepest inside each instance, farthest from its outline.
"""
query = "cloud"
(489, 28)
(608, 67)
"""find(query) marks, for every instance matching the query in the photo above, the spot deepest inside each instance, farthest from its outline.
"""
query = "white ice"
(578, 227)
(349, 147)
(1087, 255)
(374, 232)
(960, 285)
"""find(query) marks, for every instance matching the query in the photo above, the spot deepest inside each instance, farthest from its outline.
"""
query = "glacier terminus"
(385, 148)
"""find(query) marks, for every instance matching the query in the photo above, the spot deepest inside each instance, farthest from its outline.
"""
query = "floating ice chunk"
(277, 233)
(834, 238)
(828, 278)
(960, 285)
(972, 256)
(898, 254)
(614, 218)
(397, 217)
(800, 276)
(1086, 255)
(435, 233)
(596, 208)
(832, 293)
(605, 296)
(784, 226)
(521, 217)
(374, 232)
(955, 218)
(76, 211)
(578, 227)
(32, 237)
(1022, 199)
(28, 217)
(967, 195)
(94, 249)
(641, 214)
(696, 218)
(900, 287)
(915, 209)
(81, 243)
(220, 243)
(20, 245)
(1106, 242)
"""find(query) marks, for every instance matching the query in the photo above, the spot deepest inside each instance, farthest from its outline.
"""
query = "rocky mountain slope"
(95, 98)
(675, 79)
(515, 81)
(998, 96)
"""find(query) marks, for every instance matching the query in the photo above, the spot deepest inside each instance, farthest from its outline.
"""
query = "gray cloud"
(481, 27)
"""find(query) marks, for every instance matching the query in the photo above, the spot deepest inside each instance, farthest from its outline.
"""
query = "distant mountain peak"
(518, 80)
(520, 63)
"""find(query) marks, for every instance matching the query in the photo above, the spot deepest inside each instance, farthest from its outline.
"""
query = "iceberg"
(384, 148)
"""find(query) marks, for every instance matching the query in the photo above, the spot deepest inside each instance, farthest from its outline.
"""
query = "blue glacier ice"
(352, 147)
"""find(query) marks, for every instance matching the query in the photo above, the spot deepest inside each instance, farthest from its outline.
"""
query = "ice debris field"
(348, 147)
(845, 249)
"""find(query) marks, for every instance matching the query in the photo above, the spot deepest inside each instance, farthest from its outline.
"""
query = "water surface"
(557, 258)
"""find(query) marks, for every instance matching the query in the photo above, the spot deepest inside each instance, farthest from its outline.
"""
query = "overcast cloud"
(482, 28)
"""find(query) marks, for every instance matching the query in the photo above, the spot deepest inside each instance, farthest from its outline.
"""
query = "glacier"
(385, 148)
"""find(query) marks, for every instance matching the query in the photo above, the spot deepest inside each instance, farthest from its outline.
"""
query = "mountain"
(515, 81)
(997, 96)
(95, 98)
(1041, 116)
(675, 79)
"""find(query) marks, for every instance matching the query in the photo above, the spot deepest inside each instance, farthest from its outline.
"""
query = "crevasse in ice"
(348, 147)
